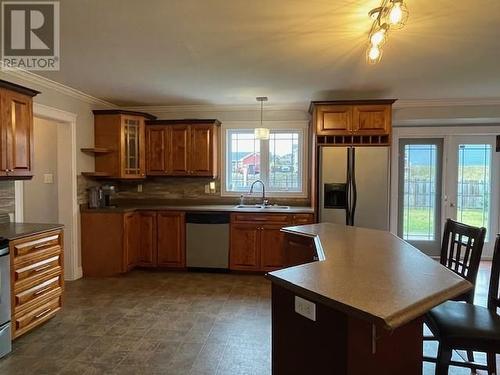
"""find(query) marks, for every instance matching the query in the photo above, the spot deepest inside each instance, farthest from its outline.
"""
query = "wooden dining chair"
(463, 326)
(461, 252)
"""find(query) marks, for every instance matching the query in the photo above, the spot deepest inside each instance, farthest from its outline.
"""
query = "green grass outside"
(417, 221)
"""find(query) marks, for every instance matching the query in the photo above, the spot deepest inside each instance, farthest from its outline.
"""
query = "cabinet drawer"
(261, 218)
(303, 219)
(26, 321)
(32, 271)
(24, 299)
(36, 246)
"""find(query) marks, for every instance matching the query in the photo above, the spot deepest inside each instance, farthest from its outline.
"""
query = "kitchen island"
(357, 306)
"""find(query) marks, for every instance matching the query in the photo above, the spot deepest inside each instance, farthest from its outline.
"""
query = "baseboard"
(78, 275)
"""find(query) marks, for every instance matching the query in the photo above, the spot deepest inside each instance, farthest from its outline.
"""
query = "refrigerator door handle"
(354, 188)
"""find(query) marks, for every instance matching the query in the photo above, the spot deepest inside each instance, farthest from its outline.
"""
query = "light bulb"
(378, 37)
(374, 54)
(398, 14)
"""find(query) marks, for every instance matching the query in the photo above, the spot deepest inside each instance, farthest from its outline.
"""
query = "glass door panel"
(420, 162)
(472, 184)
(131, 129)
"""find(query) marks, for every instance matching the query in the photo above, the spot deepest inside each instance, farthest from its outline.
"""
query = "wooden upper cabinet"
(182, 147)
(333, 120)
(16, 131)
(353, 122)
(202, 152)
(372, 119)
(158, 150)
(123, 135)
(171, 239)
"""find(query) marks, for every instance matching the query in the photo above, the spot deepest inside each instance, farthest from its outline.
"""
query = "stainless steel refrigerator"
(354, 186)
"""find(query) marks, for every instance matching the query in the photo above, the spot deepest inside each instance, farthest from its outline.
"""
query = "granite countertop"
(13, 231)
(370, 274)
(199, 208)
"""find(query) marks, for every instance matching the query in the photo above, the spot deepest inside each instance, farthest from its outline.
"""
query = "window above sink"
(280, 162)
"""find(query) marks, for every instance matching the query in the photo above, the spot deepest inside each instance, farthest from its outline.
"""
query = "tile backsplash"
(170, 190)
(7, 197)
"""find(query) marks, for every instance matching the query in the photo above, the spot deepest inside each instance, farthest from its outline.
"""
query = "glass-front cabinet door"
(133, 160)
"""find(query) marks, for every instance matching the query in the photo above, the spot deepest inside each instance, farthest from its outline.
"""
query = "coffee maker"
(107, 191)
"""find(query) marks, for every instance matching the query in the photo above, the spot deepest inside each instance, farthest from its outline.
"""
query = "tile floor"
(158, 323)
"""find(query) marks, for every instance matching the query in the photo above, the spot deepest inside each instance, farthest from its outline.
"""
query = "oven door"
(5, 309)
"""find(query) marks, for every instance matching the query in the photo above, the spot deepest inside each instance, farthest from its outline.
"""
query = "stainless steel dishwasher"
(207, 244)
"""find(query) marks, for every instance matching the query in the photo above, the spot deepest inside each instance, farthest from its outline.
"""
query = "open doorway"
(51, 195)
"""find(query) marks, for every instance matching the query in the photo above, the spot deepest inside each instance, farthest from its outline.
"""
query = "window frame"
(302, 127)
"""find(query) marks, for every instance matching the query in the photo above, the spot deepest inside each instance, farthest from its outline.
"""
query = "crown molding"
(302, 107)
(459, 102)
(56, 86)
(458, 121)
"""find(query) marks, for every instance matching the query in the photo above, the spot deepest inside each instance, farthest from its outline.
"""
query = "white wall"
(41, 203)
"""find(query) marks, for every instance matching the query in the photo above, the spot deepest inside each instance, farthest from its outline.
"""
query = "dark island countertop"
(370, 274)
(198, 208)
(13, 231)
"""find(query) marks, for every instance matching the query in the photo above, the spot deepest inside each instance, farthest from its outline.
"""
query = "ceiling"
(182, 52)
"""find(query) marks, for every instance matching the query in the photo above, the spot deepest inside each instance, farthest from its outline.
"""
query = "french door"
(455, 177)
(472, 194)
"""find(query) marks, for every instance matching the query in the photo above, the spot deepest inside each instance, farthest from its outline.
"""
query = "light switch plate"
(48, 178)
(305, 308)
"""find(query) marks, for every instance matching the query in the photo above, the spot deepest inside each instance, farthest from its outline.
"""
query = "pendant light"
(261, 133)
(390, 15)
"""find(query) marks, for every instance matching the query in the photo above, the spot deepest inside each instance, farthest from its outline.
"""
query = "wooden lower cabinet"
(37, 280)
(131, 240)
(148, 239)
(115, 243)
(245, 247)
(171, 239)
(272, 252)
(257, 243)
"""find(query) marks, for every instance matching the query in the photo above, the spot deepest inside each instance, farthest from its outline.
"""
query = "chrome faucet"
(265, 202)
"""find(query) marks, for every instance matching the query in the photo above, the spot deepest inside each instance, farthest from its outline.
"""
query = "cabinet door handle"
(41, 291)
(42, 268)
(43, 313)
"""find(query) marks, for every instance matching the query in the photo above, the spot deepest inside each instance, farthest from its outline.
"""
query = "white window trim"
(302, 126)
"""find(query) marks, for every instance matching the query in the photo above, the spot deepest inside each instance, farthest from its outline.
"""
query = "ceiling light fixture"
(262, 133)
(391, 15)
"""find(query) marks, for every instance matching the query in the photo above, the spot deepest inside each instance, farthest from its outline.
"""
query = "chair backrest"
(461, 251)
(493, 297)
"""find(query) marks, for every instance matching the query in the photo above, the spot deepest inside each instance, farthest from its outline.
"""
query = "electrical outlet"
(305, 308)
(207, 189)
(139, 188)
(48, 178)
